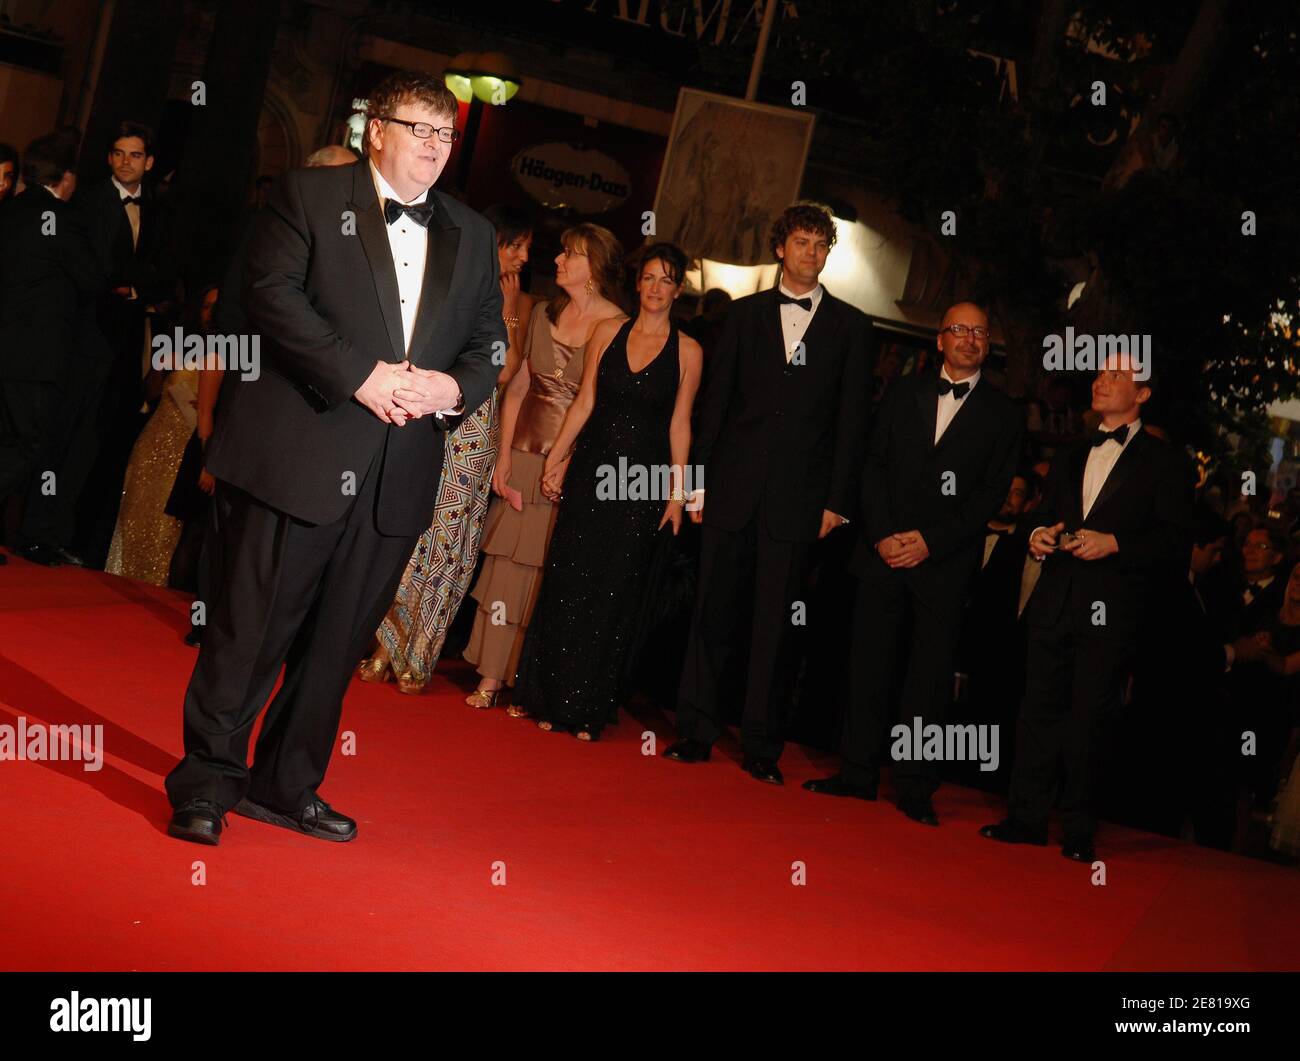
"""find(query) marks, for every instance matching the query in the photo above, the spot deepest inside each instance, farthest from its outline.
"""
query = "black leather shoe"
(67, 557)
(194, 636)
(837, 786)
(763, 770)
(317, 819)
(1010, 831)
(40, 554)
(197, 820)
(689, 751)
(1079, 848)
(919, 810)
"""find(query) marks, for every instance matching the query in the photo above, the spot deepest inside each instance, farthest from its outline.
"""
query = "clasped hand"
(399, 392)
(906, 549)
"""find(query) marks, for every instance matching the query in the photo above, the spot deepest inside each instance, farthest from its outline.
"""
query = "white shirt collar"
(50, 188)
(386, 190)
(121, 189)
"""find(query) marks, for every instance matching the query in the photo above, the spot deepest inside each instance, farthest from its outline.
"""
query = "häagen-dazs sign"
(560, 176)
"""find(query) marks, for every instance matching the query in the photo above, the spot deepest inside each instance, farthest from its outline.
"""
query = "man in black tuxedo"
(48, 274)
(128, 234)
(378, 308)
(779, 437)
(1115, 521)
(942, 454)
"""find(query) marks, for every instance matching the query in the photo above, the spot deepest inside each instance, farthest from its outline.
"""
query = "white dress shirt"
(1101, 459)
(409, 243)
(795, 319)
(410, 246)
(949, 404)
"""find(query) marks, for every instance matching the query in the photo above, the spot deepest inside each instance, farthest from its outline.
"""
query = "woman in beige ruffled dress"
(520, 519)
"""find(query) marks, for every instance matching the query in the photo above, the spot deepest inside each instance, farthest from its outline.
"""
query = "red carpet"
(613, 859)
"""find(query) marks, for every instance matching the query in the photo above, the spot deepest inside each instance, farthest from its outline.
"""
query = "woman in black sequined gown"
(631, 420)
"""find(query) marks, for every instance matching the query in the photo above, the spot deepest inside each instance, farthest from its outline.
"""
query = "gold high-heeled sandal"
(409, 683)
(516, 711)
(373, 670)
(482, 698)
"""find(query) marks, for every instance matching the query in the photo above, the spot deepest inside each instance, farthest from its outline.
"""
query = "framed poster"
(730, 169)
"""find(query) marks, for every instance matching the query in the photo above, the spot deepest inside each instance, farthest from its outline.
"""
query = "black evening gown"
(571, 667)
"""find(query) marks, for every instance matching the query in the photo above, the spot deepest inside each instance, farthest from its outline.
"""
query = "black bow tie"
(418, 212)
(1120, 433)
(130, 199)
(958, 389)
(1253, 588)
(804, 304)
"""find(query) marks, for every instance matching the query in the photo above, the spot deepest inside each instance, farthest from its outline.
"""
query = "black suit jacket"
(48, 276)
(324, 303)
(1146, 502)
(906, 483)
(792, 433)
(146, 266)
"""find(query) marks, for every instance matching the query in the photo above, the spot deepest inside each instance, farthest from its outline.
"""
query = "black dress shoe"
(919, 809)
(837, 786)
(1010, 831)
(67, 557)
(194, 636)
(197, 820)
(1079, 848)
(40, 554)
(763, 770)
(689, 751)
(317, 819)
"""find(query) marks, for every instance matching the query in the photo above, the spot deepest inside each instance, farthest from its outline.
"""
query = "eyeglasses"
(961, 330)
(423, 130)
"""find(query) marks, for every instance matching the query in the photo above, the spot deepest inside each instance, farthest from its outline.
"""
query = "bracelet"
(512, 322)
(677, 495)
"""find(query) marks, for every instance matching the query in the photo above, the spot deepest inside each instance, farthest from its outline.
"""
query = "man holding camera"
(1115, 517)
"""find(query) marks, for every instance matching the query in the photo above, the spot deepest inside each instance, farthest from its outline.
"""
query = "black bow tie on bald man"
(418, 212)
(958, 389)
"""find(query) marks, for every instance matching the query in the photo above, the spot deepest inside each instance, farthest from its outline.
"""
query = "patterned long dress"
(438, 574)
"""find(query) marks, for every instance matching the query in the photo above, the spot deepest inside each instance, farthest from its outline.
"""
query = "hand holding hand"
(914, 550)
(423, 392)
(378, 392)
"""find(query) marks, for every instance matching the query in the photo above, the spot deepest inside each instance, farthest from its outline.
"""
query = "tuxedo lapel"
(1128, 460)
(927, 400)
(821, 329)
(968, 412)
(439, 262)
(1078, 463)
(770, 314)
(373, 234)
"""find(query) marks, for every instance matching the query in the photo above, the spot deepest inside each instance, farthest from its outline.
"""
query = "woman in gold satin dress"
(410, 639)
(145, 537)
(520, 520)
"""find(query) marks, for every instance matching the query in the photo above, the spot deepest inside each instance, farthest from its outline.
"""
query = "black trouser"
(306, 596)
(735, 568)
(50, 519)
(27, 409)
(1071, 681)
(886, 612)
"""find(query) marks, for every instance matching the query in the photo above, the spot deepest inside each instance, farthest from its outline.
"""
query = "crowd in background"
(101, 465)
